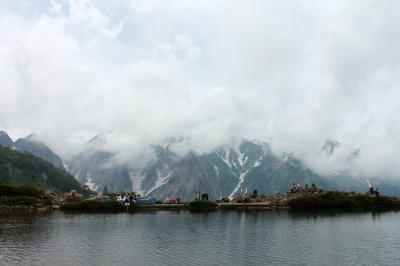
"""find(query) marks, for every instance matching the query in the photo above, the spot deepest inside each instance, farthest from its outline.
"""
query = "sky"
(291, 73)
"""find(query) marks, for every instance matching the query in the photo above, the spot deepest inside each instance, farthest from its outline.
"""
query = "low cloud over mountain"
(289, 74)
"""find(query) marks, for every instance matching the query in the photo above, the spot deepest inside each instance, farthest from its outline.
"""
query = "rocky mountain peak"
(33, 145)
(5, 140)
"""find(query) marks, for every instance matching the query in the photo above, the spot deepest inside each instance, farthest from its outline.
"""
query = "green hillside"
(24, 168)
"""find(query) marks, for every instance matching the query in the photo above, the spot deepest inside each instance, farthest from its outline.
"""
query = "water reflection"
(335, 214)
(185, 238)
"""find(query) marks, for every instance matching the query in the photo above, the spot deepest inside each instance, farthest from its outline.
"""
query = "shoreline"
(219, 207)
(256, 206)
(306, 202)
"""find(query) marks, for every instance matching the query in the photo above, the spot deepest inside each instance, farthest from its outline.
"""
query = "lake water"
(185, 238)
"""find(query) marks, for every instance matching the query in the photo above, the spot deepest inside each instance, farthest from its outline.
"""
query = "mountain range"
(239, 166)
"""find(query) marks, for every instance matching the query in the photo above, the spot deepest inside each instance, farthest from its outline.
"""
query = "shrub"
(47, 201)
(19, 201)
(340, 200)
(3, 200)
(94, 206)
(203, 205)
(20, 190)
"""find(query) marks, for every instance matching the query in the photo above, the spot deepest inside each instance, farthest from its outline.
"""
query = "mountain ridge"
(33, 145)
(24, 168)
(238, 166)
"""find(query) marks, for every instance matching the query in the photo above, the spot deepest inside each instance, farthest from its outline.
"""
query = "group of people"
(204, 196)
(126, 198)
(299, 188)
(373, 191)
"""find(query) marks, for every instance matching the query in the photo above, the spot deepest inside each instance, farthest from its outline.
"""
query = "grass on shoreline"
(26, 195)
(94, 206)
(343, 201)
(23, 195)
(9, 190)
(203, 205)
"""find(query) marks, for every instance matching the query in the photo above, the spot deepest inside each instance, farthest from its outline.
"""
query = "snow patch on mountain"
(161, 180)
(216, 170)
(242, 158)
(225, 157)
(258, 161)
(91, 184)
(286, 158)
(137, 180)
(241, 180)
(234, 164)
(245, 160)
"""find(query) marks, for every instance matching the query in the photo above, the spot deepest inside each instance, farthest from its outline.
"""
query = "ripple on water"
(184, 238)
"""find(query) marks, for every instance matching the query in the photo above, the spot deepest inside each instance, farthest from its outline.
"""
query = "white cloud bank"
(292, 73)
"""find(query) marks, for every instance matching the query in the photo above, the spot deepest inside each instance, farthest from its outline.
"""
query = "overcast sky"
(292, 73)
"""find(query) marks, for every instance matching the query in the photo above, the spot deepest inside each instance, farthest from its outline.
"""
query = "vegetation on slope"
(24, 168)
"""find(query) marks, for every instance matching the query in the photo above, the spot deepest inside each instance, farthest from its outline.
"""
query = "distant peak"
(96, 141)
(167, 143)
(264, 145)
(5, 140)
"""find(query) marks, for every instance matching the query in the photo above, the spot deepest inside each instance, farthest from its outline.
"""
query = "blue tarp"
(151, 201)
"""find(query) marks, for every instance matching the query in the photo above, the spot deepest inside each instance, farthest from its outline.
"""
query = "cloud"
(292, 74)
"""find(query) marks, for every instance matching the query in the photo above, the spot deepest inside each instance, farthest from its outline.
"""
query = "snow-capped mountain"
(96, 168)
(237, 167)
(348, 178)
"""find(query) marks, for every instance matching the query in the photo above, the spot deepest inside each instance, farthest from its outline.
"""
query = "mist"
(137, 72)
